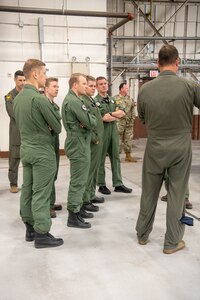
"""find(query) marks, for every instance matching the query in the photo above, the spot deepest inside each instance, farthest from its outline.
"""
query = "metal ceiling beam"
(168, 2)
(148, 21)
(170, 38)
(149, 66)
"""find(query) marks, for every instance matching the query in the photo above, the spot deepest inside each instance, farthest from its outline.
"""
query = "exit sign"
(153, 73)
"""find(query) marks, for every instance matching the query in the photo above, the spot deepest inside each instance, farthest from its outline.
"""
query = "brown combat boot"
(52, 213)
(129, 158)
(188, 204)
(14, 189)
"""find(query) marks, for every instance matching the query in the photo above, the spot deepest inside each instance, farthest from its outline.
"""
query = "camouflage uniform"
(14, 140)
(125, 124)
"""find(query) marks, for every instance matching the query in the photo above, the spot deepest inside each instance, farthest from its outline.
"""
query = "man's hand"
(108, 118)
(118, 114)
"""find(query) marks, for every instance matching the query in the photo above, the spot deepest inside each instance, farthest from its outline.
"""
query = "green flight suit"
(37, 122)
(79, 123)
(110, 143)
(165, 106)
(14, 140)
(166, 178)
(96, 148)
(56, 144)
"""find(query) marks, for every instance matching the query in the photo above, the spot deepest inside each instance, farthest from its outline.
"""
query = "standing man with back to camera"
(165, 106)
(51, 91)
(14, 135)
(125, 125)
(37, 122)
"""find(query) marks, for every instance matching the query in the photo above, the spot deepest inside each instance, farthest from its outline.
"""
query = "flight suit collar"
(74, 94)
(31, 87)
(167, 72)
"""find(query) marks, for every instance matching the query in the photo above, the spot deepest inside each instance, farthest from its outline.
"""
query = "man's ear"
(35, 74)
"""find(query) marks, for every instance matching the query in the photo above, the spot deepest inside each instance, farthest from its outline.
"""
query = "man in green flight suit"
(37, 122)
(14, 135)
(110, 112)
(79, 123)
(51, 91)
(89, 196)
(165, 106)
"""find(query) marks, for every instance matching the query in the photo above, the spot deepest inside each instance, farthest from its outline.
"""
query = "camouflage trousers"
(125, 137)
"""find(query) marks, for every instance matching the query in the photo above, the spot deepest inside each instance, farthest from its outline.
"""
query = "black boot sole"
(40, 246)
(29, 239)
(79, 226)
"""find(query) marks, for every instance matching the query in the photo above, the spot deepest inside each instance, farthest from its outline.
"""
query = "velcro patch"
(8, 97)
(84, 107)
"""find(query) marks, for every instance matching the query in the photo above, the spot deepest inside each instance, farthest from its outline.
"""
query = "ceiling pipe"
(110, 47)
(126, 16)
(150, 66)
(122, 22)
(63, 12)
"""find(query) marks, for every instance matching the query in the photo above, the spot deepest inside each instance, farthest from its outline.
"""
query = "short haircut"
(121, 85)
(18, 73)
(100, 78)
(75, 79)
(49, 80)
(90, 78)
(30, 65)
(167, 55)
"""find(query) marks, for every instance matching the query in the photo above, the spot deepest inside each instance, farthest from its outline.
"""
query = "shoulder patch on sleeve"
(8, 97)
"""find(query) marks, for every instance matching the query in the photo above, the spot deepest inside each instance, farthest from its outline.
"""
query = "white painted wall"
(64, 37)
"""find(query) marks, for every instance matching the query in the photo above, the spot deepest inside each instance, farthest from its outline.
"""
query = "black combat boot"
(75, 220)
(84, 214)
(46, 240)
(30, 232)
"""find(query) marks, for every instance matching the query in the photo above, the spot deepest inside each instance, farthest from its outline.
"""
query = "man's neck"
(103, 94)
(122, 94)
(50, 98)
(76, 92)
(33, 83)
(18, 89)
(89, 96)
(173, 68)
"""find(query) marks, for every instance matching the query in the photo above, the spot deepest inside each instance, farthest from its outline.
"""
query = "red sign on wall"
(153, 73)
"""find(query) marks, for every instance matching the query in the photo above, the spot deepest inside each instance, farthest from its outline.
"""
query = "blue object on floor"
(187, 220)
